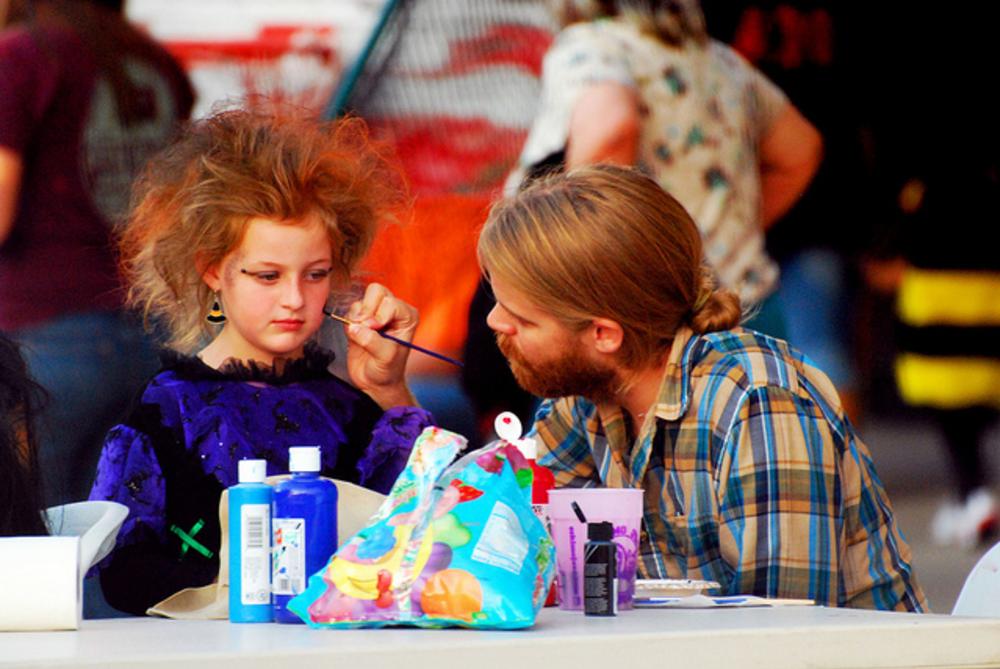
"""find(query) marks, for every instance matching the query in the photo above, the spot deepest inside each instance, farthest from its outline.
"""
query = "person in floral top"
(640, 83)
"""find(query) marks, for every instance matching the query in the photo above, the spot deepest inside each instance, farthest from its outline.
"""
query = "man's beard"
(566, 375)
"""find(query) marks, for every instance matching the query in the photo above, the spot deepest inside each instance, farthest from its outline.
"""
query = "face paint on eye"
(266, 276)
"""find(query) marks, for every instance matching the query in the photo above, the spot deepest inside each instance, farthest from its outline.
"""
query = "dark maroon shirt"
(79, 161)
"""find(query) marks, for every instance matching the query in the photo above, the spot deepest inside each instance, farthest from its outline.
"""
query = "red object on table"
(542, 481)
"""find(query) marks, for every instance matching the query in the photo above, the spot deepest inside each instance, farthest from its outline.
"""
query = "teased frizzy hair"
(607, 242)
(192, 204)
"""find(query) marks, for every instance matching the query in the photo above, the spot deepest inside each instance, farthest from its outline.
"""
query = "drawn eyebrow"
(310, 265)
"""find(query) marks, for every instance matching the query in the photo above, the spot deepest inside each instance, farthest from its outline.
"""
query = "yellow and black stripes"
(949, 338)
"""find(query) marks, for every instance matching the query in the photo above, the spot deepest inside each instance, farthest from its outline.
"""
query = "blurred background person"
(809, 48)
(20, 483)
(86, 100)
(937, 157)
(639, 82)
(451, 85)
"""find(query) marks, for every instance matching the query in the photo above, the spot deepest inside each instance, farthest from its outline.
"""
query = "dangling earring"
(215, 315)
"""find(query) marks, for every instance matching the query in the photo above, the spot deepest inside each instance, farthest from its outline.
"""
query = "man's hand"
(377, 365)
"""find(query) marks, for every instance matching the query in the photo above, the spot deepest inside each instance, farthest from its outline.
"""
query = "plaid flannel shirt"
(753, 476)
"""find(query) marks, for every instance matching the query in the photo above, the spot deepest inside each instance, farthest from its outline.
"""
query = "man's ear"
(606, 335)
(210, 273)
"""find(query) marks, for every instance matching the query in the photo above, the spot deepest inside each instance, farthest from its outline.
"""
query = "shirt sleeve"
(582, 55)
(878, 571)
(563, 448)
(389, 449)
(798, 519)
(27, 84)
(145, 567)
(767, 100)
(129, 473)
(778, 501)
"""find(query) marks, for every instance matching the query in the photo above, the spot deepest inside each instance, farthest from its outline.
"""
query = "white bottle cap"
(252, 471)
(303, 459)
(507, 426)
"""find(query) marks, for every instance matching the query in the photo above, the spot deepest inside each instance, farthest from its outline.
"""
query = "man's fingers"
(377, 346)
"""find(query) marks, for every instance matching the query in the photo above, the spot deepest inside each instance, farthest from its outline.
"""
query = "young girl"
(239, 236)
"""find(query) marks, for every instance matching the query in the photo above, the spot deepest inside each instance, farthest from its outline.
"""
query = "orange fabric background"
(429, 260)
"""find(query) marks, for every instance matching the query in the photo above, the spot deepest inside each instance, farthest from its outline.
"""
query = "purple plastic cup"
(622, 507)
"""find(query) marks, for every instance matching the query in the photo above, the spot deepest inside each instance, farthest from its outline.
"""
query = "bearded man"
(753, 475)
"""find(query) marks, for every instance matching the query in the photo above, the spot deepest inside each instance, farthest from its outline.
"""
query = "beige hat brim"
(355, 508)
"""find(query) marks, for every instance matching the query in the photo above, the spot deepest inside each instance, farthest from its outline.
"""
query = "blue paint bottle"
(250, 545)
(304, 522)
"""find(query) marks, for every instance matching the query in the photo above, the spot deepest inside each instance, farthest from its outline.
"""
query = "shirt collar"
(674, 394)
(675, 389)
(623, 463)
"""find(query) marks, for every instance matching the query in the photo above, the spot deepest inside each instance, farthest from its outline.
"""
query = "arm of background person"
(11, 167)
(604, 126)
(790, 154)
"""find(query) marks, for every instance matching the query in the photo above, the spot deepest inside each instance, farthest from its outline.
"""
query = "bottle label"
(255, 550)
(289, 561)
(600, 581)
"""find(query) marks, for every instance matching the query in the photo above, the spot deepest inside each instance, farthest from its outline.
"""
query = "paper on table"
(708, 602)
(96, 522)
(39, 583)
(671, 587)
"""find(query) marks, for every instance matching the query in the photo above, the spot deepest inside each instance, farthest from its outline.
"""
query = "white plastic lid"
(303, 459)
(507, 426)
(252, 471)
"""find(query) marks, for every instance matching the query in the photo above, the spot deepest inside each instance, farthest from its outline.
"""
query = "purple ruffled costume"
(170, 460)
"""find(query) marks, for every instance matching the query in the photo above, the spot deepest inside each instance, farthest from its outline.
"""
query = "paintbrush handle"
(401, 342)
(423, 350)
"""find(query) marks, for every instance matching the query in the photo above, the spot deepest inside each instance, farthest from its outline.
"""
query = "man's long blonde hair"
(607, 242)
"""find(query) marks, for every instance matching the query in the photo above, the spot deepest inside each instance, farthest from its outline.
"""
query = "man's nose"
(495, 319)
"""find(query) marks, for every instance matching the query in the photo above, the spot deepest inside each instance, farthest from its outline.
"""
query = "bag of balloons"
(454, 544)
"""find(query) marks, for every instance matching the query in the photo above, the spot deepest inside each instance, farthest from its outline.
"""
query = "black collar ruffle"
(312, 365)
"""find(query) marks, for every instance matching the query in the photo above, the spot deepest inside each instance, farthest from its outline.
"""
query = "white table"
(641, 639)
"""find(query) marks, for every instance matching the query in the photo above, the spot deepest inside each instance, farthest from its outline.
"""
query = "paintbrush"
(399, 341)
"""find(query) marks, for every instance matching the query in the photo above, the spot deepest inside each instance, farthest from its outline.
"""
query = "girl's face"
(273, 288)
